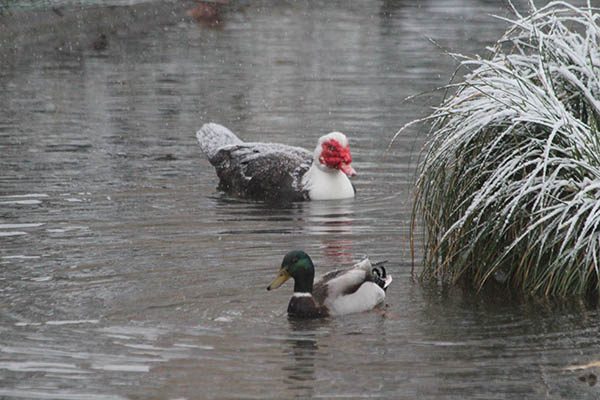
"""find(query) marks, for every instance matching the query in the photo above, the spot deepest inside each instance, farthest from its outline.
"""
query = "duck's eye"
(331, 148)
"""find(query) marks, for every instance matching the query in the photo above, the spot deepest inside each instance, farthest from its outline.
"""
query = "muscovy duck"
(356, 289)
(277, 172)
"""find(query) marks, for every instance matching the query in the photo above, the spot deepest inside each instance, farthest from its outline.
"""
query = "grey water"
(125, 274)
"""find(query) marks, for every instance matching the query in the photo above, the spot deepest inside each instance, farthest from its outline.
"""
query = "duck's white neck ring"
(302, 294)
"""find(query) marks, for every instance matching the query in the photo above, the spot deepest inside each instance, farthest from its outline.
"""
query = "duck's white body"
(327, 185)
(366, 297)
(276, 172)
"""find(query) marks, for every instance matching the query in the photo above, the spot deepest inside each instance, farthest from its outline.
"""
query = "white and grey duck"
(277, 172)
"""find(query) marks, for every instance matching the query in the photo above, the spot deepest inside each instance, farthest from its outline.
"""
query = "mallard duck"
(278, 172)
(356, 289)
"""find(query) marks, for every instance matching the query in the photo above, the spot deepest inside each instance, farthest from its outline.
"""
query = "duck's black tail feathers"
(380, 276)
(213, 137)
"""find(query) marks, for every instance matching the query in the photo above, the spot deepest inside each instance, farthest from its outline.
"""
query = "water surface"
(125, 274)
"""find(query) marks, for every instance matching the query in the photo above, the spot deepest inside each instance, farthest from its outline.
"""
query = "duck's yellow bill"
(281, 277)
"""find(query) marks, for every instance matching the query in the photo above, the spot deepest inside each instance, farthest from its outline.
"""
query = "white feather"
(364, 299)
(367, 296)
(330, 185)
(302, 294)
(353, 277)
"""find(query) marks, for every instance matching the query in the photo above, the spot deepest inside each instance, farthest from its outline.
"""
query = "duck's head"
(298, 265)
(333, 153)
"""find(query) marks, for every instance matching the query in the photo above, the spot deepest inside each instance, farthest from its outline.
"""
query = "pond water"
(125, 274)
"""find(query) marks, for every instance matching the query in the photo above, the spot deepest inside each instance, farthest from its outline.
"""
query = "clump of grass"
(509, 188)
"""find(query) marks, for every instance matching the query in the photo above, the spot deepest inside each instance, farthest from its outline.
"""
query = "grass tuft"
(509, 188)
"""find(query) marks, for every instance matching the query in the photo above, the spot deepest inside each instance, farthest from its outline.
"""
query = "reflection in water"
(301, 371)
(332, 224)
(302, 351)
(208, 13)
(332, 217)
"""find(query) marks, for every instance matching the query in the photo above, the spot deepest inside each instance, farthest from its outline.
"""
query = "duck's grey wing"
(321, 288)
(263, 171)
(342, 282)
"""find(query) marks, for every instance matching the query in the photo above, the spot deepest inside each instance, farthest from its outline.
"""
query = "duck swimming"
(356, 289)
(278, 172)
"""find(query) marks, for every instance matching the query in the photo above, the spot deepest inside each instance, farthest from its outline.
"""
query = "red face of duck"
(335, 156)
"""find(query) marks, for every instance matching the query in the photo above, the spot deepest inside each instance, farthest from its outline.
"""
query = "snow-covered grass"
(509, 188)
